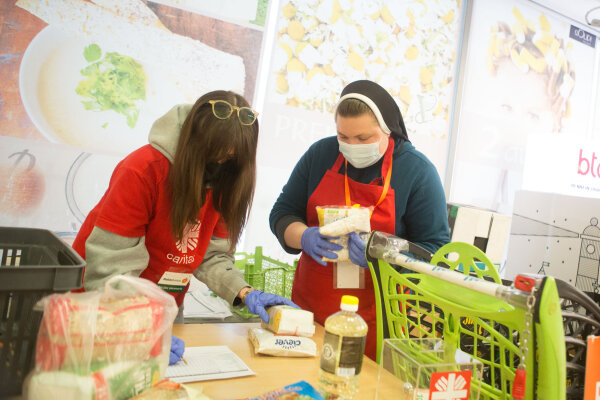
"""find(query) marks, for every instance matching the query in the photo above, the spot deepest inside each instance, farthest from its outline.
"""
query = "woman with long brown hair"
(178, 205)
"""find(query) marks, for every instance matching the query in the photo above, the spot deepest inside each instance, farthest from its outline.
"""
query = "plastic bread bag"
(169, 390)
(286, 320)
(109, 344)
(339, 221)
(266, 342)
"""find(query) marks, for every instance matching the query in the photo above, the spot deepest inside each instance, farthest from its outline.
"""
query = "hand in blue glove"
(177, 349)
(356, 250)
(256, 301)
(317, 245)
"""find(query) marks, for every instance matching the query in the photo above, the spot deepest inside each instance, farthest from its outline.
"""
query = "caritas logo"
(588, 165)
(450, 385)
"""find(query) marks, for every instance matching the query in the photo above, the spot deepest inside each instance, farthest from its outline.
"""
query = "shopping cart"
(482, 318)
(580, 312)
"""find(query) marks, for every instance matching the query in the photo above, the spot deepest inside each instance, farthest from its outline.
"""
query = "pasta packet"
(266, 342)
(339, 221)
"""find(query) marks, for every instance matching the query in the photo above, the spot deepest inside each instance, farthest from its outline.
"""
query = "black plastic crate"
(33, 264)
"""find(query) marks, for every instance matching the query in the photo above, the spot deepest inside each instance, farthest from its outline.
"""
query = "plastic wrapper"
(287, 320)
(266, 342)
(300, 390)
(339, 221)
(169, 390)
(110, 344)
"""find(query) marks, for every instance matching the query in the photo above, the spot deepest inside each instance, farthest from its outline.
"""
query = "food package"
(339, 221)
(110, 344)
(169, 390)
(286, 320)
(120, 380)
(266, 342)
(300, 390)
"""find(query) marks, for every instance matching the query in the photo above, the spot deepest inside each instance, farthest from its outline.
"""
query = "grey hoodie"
(109, 254)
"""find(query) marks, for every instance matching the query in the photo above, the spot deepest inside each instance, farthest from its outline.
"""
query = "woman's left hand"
(256, 301)
(356, 250)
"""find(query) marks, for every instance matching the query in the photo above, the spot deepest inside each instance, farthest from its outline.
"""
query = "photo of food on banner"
(339, 222)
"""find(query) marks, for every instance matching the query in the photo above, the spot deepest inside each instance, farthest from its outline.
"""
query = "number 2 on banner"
(450, 385)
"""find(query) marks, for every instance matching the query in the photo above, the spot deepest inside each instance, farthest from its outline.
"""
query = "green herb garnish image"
(115, 82)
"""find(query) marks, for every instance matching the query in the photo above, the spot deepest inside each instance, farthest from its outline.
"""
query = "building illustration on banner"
(567, 248)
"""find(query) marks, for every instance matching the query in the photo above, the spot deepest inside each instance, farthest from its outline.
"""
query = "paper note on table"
(207, 362)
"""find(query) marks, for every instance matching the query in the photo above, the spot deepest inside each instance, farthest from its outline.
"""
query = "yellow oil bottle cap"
(349, 303)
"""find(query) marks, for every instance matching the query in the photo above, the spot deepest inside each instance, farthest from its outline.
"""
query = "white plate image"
(87, 181)
(49, 74)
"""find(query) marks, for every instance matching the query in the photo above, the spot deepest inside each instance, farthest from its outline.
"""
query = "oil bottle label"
(342, 355)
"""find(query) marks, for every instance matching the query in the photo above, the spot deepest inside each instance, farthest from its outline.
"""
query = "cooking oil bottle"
(342, 354)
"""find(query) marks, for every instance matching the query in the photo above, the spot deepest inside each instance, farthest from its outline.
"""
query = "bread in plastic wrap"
(287, 320)
(110, 344)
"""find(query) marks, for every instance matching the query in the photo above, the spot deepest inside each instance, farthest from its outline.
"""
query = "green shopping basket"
(266, 274)
(435, 302)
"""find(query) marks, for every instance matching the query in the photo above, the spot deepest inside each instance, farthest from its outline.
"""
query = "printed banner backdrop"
(563, 165)
(527, 71)
(409, 47)
(65, 121)
(556, 235)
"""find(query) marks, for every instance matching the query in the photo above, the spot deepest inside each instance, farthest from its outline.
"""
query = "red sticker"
(450, 385)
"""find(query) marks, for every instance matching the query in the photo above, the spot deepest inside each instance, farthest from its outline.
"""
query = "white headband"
(369, 103)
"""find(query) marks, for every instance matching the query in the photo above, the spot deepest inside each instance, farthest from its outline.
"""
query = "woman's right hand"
(318, 245)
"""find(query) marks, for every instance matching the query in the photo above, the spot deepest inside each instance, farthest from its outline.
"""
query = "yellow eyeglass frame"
(231, 108)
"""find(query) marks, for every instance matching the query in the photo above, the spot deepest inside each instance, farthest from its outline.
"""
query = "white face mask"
(361, 155)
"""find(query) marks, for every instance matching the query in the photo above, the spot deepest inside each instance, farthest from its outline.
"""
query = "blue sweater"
(420, 201)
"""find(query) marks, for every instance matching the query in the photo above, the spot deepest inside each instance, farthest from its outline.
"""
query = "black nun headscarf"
(381, 103)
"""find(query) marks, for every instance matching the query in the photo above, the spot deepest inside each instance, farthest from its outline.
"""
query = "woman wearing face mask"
(177, 206)
(382, 169)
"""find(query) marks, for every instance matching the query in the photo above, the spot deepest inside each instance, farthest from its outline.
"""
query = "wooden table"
(271, 372)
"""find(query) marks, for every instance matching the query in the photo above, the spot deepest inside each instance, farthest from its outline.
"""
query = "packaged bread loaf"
(286, 320)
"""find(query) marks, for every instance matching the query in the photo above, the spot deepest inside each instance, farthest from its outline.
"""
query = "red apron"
(313, 283)
(180, 257)
(167, 254)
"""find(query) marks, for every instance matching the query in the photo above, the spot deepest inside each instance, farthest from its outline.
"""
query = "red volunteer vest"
(149, 215)
(313, 283)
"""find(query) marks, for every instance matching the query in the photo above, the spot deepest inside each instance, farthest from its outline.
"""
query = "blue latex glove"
(356, 250)
(317, 245)
(256, 301)
(177, 349)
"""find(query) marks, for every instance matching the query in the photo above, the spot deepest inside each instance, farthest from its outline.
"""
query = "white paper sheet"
(206, 363)
(200, 303)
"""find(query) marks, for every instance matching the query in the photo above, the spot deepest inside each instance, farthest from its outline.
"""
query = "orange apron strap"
(346, 186)
(386, 186)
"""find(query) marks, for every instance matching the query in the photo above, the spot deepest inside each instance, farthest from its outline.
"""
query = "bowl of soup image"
(65, 91)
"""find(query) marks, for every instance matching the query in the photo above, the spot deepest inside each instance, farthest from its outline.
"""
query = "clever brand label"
(582, 36)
